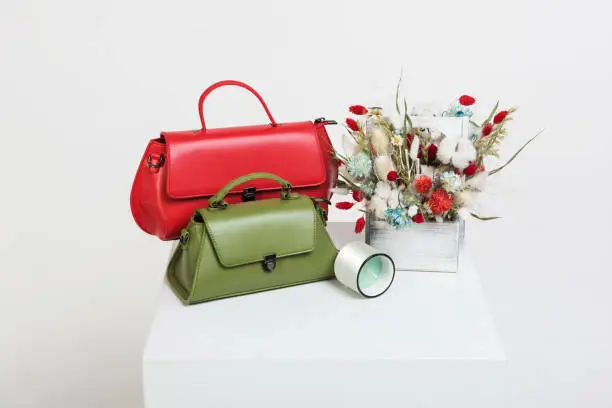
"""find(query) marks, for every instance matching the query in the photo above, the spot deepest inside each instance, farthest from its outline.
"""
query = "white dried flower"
(393, 201)
(465, 154)
(382, 166)
(427, 171)
(414, 148)
(465, 199)
(446, 150)
(479, 181)
(413, 210)
(377, 206)
(396, 140)
(380, 140)
(383, 190)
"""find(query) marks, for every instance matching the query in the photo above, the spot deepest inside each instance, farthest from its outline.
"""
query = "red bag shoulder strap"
(219, 84)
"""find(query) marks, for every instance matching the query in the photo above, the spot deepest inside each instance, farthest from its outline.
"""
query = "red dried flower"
(466, 100)
(432, 151)
(422, 184)
(418, 218)
(358, 109)
(409, 138)
(440, 201)
(352, 124)
(470, 170)
(392, 175)
(360, 225)
(344, 205)
(357, 195)
(487, 129)
(499, 118)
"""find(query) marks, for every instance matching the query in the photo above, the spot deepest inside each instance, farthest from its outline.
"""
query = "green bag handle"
(217, 201)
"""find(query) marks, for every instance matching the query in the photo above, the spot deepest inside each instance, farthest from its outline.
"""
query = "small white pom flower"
(446, 150)
(413, 210)
(479, 181)
(465, 154)
(382, 166)
(383, 190)
(377, 206)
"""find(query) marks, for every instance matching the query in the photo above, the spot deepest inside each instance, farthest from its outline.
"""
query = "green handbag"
(230, 250)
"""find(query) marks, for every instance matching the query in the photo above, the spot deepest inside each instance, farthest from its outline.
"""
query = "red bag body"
(181, 170)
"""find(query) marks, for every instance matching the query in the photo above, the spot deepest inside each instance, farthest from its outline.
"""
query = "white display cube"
(428, 342)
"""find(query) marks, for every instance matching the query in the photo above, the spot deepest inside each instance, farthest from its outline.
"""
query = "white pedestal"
(428, 342)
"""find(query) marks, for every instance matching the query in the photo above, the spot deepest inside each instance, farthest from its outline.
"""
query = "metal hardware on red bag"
(249, 194)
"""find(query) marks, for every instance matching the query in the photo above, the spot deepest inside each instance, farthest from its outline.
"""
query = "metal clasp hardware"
(269, 262)
(249, 194)
(325, 121)
(184, 239)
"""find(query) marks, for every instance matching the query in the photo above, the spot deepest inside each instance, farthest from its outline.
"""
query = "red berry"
(360, 225)
(352, 124)
(344, 205)
(418, 218)
(466, 100)
(358, 109)
(392, 175)
(470, 170)
(499, 118)
(432, 151)
(487, 129)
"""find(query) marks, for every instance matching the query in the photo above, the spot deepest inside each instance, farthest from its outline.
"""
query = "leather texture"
(181, 170)
(223, 250)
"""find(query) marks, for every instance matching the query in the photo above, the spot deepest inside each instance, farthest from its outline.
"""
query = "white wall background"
(84, 85)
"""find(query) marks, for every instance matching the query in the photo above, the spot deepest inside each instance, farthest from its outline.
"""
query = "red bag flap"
(201, 162)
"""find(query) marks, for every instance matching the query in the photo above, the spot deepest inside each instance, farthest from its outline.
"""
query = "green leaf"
(491, 114)
(497, 170)
(478, 217)
(397, 108)
(406, 117)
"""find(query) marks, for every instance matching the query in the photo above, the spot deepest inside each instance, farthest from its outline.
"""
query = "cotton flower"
(382, 166)
(465, 199)
(393, 200)
(413, 210)
(383, 190)
(427, 171)
(479, 181)
(465, 154)
(446, 149)
(377, 206)
(379, 139)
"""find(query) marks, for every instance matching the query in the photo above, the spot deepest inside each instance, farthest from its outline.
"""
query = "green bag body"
(230, 250)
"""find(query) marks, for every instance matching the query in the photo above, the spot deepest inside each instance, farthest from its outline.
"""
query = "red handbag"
(181, 170)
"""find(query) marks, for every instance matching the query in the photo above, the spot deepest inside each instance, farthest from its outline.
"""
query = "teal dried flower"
(397, 218)
(458, 110)
(451, 181)
(359, 166)
(368, 188)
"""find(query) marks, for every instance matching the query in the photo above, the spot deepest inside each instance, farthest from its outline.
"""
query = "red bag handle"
(234, 83)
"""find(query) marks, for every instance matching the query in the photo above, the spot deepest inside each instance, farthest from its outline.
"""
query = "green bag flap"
(247, 232)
